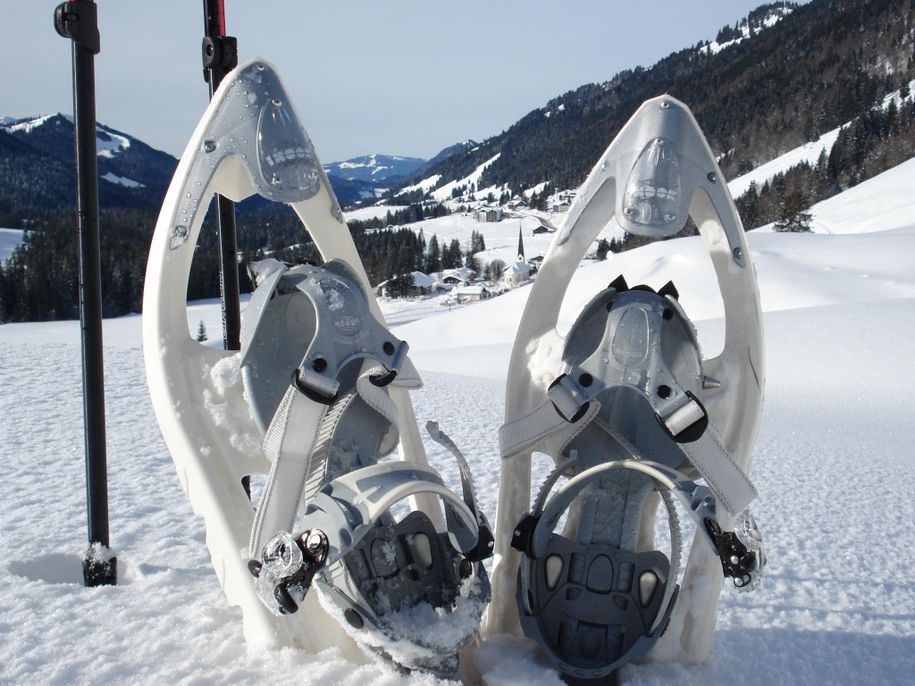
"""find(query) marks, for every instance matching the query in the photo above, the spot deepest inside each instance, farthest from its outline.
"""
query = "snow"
(538, 189)
(833, 465)
(25, 125)
(9, 239)
(444, 193)
(809, 153)
(501, 237)
(122, 180)
(887, 195)
(420, 280)
(747, 31)
(373, 212)
(109, 143)
(425, 185)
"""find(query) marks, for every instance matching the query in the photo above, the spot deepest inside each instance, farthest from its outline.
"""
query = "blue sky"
(402, 77)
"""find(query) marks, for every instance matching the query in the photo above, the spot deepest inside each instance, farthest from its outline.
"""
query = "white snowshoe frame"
(250, 142)
(658, 171)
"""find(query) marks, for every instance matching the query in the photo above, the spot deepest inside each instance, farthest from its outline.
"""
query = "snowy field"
(834, 467)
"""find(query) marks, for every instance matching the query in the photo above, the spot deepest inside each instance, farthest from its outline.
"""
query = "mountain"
(448, 152)
(36, 169)
(374, 168)
(36, 166)
(369, 176)
(781, 77)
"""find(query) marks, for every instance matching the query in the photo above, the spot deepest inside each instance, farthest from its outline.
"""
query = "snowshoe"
(315, 399)
(633, 418)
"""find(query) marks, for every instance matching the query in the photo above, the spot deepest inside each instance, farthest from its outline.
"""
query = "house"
(470, 294)
(452, 280)
(461, 276)
(516, 274)
(423, 284)
(541, 228)
(488, 214)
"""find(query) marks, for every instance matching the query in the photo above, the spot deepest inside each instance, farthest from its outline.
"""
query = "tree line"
(39, 281)
(879, 139)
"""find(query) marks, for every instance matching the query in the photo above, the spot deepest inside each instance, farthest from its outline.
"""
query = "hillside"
(786, 76)
(36, 168)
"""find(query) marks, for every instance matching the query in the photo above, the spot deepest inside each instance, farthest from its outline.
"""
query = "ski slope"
(833, 466)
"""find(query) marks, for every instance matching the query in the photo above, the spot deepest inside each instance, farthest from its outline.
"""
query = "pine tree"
(201, 332)
(603, 247)
(434, 256)
(748, 207)
(496, 269)
(793, 215)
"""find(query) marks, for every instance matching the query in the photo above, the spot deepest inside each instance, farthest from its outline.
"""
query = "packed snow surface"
(833, 465)
(888, 196)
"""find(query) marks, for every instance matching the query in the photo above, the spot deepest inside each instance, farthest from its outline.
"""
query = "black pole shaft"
(214, 30)
(220, 56)
(98, 567)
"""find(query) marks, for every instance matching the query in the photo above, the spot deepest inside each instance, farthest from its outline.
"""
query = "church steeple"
(520, 246)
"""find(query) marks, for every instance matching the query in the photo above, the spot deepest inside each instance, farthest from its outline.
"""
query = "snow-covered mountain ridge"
(760, 19)
(35, 144)
(375, 168)
(804, 69)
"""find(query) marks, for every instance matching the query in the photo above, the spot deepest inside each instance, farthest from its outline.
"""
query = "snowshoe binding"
(315, 399)
(633, 418)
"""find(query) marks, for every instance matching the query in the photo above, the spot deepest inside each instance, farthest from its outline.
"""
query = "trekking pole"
(220, 56)
(78, 21)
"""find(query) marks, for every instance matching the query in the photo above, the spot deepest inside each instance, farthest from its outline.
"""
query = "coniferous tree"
(603, 247)
(496, 269)
(793, 215)
(434, 256)
(454, 255)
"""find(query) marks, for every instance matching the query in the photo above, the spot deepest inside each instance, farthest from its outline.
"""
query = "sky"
(401, 77)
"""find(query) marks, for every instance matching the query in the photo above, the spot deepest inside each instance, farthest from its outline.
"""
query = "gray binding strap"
(727, 480)
(551, 417)
(316, 470)
(731, 486)
(350, 505)
(288, 444)
(567, 397)
(297, 441)
(485, 541)
(445, 441)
